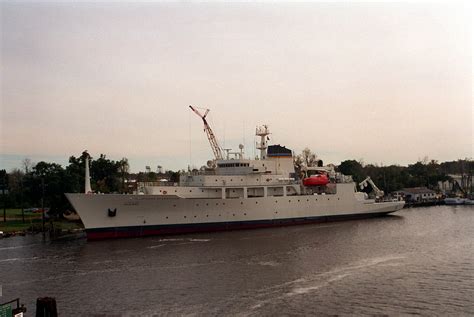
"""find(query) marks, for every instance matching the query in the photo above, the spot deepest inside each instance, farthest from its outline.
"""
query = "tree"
(354, 168)
(76, 171)
(56, 183)
(105, 173)
(27, 165)
(3, 188)
(123, 168)
(173, 176)
(15, 185)
(306, 159)
(388, 178)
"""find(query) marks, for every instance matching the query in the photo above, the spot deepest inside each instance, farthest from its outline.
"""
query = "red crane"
(210, 135)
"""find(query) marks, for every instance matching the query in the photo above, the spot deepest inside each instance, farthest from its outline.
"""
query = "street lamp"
(42, 203)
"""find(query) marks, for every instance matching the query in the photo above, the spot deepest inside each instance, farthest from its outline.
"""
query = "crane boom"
(378, 193)
(210, 135)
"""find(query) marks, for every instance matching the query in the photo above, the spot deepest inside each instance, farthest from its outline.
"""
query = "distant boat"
(71, 216)
(458, 201)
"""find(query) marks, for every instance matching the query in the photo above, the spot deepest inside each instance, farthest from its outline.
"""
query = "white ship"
(231, 193)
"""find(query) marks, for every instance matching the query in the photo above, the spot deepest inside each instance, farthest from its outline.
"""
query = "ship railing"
(161, 183)
(199, 172)
(8, 310)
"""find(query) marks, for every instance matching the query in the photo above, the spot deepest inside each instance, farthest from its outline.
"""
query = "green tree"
(15, 187)
(3, 189)
(56, 183)
(306, 159)
(354, 168)
(173, 176)
(76, 171)
(105, 174)
(123, 169)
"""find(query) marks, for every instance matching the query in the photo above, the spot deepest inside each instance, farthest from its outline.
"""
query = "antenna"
(227, 151)
(243, 132)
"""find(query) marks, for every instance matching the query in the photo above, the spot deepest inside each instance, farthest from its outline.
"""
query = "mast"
(210, 135)
(262, 132)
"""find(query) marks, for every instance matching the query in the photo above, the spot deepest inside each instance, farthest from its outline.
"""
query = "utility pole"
(42, 203)
(4, 204)
(21, 201)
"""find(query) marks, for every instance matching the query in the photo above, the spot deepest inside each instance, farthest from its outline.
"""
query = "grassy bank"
(33, 222)
(15, 214)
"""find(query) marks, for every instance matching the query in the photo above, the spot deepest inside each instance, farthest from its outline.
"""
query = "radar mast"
(263, 133)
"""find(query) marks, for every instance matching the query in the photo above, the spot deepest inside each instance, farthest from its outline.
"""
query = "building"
(417, 194)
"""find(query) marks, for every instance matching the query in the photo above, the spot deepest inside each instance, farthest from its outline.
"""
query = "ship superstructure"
(272, 174)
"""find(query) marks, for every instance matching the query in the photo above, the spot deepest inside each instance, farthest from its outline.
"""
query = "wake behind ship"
(231, 193)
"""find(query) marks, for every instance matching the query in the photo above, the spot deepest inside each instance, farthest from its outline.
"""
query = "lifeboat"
(316, 180)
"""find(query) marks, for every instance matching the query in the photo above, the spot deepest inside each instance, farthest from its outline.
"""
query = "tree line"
(27, 186)
(424, 173)
(420, 174)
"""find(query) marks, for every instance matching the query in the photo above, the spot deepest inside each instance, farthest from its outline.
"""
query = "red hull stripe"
(140, 231)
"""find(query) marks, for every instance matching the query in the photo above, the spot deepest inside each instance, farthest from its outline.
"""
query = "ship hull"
(154, 230)
(116, 216)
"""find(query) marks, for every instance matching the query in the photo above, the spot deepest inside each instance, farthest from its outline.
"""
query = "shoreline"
(32, 224)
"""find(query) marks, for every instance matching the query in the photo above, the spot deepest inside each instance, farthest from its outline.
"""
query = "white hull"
(160, 214)
(455, 201)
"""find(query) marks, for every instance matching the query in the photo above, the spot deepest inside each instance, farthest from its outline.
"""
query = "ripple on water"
(368, 267)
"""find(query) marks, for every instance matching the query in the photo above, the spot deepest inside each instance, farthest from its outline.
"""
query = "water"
(418, 261)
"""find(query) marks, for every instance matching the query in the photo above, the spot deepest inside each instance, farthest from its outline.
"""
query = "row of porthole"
(202, 190)
(207, 204)
(245, 214)
(220, 215)
(276, 201)
(276, 212)
(174, 190)
(233, 180)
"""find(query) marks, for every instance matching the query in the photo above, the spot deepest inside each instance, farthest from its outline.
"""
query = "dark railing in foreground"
(7, 310)
(45, 307)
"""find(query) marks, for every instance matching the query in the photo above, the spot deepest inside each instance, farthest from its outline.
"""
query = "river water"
(417, 261)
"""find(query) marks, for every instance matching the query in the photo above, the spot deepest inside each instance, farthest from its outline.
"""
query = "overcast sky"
(389, 83)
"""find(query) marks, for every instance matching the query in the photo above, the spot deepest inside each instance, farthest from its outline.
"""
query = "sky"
(382, 82)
